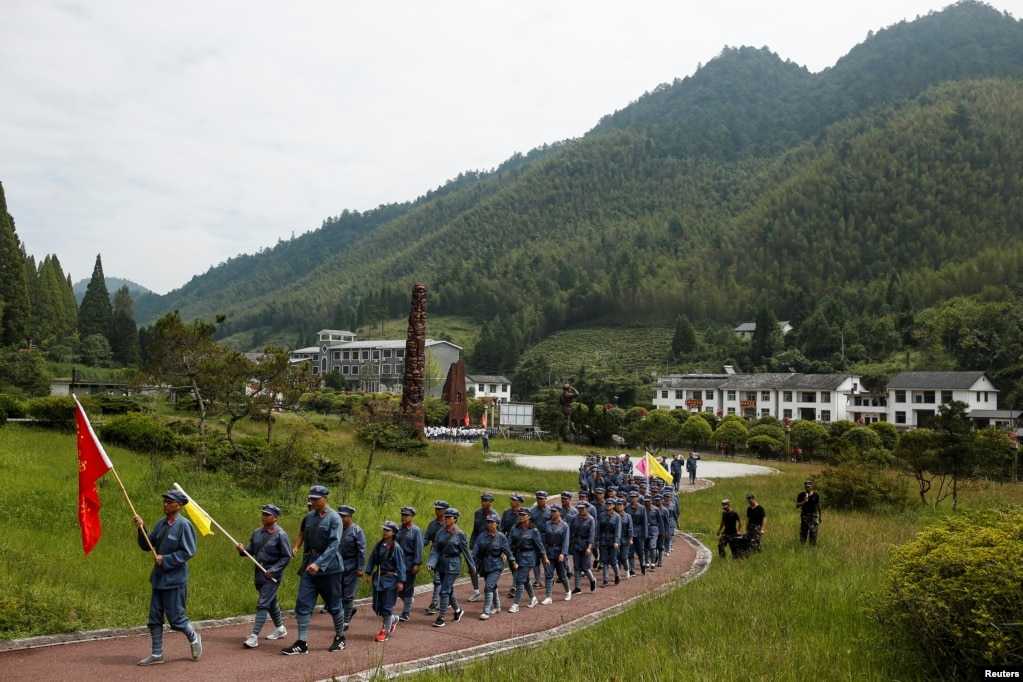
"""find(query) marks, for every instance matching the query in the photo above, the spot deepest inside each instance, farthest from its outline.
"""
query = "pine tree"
(124, 340)
(15, 305)
(96, 314)
(684, 340)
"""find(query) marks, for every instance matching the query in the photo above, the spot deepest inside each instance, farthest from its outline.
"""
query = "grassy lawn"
(790, 613)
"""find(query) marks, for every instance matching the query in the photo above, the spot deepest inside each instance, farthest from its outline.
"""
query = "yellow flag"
(655, 469)
(197, 514)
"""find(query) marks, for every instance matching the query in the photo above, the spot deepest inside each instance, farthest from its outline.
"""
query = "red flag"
(466, 418)
(483, 420)
(92, 464)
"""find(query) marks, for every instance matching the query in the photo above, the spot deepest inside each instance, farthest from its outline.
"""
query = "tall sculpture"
(415, 361)
(454, 395)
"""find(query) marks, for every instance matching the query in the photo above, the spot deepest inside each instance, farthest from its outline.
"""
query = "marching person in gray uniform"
(479, 527)
(489, 553)
(173, 539)
(386, 567)
(353, 553)
(653, 533)
(540, 514)
(583, 534)
(320, 572)
(610, 540)
(270, 546)
(623, 548)
(665, 528)
(410, 539)
(449, 546)
(436, 523)
(528, 547)
(556, 540)
(637, 511)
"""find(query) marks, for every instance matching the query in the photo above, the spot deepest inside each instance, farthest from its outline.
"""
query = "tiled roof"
(935, 380)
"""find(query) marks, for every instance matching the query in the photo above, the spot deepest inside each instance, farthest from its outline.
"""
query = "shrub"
(14, 408)
(856, 484)
(952, 594)
(141, 433)
(56, 412)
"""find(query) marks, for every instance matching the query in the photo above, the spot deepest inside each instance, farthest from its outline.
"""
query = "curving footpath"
(111, 655)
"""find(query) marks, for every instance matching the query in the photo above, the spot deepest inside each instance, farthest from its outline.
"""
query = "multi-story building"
(910, 400)
(488, 386)
(374, 366)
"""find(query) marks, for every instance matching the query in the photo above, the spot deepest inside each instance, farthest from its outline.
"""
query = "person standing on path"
(756, 521)
(809, 504)
(353, 553)
(691, 462)
(173, 540)
(432, 528)
(528, 547)
(450, 545)
(385, 569)
(320, 572)
(410, 539)
(556, 541)
(610, 541)
(676, 470)
(270, 546)
(583, 535)
(730, 526)
(489, 553)
(479, 527)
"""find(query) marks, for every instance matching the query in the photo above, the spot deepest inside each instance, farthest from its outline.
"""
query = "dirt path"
(111, 655)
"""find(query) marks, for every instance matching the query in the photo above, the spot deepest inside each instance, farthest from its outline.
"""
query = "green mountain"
(889, 181)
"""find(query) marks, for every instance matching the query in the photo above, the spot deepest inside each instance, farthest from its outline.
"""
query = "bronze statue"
(412, 393)
(568, 396)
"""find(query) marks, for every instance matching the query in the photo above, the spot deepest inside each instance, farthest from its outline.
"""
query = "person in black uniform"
(730, 526)
(809, 504)
(756, 521)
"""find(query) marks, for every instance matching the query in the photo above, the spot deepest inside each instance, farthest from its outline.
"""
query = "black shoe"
(338, 644)
(604, 584)
(458, 615)
(439, 623)
(404, 618)
(617, 579)
(593, 585)
(298, 647)
(577, 591)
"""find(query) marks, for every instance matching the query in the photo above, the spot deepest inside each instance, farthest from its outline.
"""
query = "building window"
(504, 388)
(709, 395)
(365, 355)
(900, 396)
(664, 395)
(981, 396)
(807, 397)
(946, 397)
(786, 396)
(764, 412)
(787, 414)
(337, 355)
(479, 388)
(347, 355)
(386, 369)
(493, 388)
(387, 354)
(731, 395)
(680, 395)
(825, 415)
(400, 353)
(336, 370)
(765, 396)
(376, 355)
(825, 396)
(731, 410)
(344, 369)
(751, 395)
(928, 396)
(900, 417)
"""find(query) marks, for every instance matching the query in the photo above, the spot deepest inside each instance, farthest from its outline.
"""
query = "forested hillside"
(856, 203)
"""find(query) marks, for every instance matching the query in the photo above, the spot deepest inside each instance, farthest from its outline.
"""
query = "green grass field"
(790, 613)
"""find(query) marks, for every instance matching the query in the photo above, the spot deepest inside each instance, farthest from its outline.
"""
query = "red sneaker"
(382, 636)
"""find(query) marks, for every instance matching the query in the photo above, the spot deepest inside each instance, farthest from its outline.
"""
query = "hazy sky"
(171, 136)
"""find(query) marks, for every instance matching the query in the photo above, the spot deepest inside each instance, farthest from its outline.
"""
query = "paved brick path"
(111, 655)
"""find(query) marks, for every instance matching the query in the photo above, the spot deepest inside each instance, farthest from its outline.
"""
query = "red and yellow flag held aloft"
(93, 463)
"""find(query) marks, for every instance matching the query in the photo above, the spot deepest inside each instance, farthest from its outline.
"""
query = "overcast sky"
(171, 136)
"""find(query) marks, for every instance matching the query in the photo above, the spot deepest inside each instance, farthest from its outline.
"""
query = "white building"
(914, 397)
(816, 397)
(489, 386)
(373, 366)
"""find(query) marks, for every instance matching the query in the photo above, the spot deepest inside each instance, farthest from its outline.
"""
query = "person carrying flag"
(173, 542)
(270, 547)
